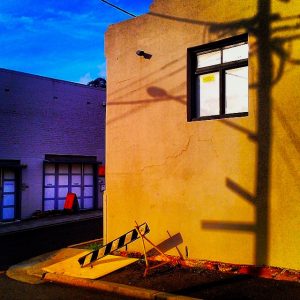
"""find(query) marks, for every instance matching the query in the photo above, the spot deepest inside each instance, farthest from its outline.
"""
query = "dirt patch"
(204, 283)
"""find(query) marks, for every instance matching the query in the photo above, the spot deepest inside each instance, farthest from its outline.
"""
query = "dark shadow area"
(240, 191)
(159, 94)
(202, 283)
(242, 226)
(24, 244)
(143, 54)
(213, 284)
(242, 287)
(168, 244)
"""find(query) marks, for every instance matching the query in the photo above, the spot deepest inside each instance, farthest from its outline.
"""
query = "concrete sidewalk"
(31, 271)
(215, 279)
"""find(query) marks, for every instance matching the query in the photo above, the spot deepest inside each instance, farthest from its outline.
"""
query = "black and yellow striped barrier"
(114, 245)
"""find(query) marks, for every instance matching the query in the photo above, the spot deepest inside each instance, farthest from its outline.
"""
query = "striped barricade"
(114, 245)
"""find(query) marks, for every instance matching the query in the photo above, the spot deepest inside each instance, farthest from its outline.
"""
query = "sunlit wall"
(227, 189)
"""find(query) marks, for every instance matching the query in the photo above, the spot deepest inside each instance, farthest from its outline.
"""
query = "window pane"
(62, 192)
(8, 199)
(9, 187)
(61, 204)
(208, 59)
(49, 205)
(88, 203)
(76, 169)
(88, 179)
(63, 169)
(49, 193)
(49, 180)
(77, 191)
(88, 191)
(236, 81)
(235, 53)
(208, 103)
(88, 169)
(9, 174)
(50, 168)
(76, 179)
(63, 179)
(8, 213)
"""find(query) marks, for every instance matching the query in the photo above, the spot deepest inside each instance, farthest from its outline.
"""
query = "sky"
(62, 39)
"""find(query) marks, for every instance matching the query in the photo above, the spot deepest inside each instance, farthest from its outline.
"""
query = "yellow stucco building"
(203, 131)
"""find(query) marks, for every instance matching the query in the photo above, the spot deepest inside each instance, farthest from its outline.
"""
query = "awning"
(11, 163)
(67, 159)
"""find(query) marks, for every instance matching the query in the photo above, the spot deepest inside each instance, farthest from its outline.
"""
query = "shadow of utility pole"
(260, 26)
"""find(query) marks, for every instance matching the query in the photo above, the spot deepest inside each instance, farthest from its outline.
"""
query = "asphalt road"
(24, 244)
(14, 290)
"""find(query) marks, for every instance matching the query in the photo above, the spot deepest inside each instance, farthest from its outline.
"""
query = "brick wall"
(41, 115)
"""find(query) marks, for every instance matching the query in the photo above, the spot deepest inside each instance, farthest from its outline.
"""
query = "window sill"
(218, 117)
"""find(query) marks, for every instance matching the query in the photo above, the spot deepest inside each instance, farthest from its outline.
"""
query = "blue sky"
(62, 39)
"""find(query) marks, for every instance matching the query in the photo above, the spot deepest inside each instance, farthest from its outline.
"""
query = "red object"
(101, 171)
(71, 202)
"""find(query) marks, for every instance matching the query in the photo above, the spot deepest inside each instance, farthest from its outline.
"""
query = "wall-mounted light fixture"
(144, 54)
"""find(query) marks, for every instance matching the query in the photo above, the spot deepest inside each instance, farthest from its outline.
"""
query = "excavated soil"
(204, 283)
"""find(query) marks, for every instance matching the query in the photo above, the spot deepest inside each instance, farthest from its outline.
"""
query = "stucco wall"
(46, 116)
(228, 188)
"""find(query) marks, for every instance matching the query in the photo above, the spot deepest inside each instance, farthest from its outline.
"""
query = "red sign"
(71, 202)
(101, 171)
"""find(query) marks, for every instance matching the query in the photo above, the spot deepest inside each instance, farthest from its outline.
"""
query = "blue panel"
(8, 199)
(62, 192)
(88, 203)
(76, 190)
(61, 204)
(49, 180)
(88, 191)
(8, 187)
(49, 193)
(63, 179)
(88, 179)
(76, 179)
(8, 213)
(49, 205)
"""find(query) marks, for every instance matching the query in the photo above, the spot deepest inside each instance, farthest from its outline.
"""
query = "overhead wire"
(119, 8)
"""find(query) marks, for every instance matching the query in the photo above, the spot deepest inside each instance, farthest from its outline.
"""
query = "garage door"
(59, 179)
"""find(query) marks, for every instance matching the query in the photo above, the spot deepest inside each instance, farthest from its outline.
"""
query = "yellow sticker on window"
(208, 78)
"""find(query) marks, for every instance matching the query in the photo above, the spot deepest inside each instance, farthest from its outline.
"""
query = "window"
(218, 79)
(10, 189)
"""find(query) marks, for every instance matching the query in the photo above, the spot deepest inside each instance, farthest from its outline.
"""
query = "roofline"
(50, 78)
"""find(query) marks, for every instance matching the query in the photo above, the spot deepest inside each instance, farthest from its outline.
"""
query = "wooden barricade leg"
(143, 237)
